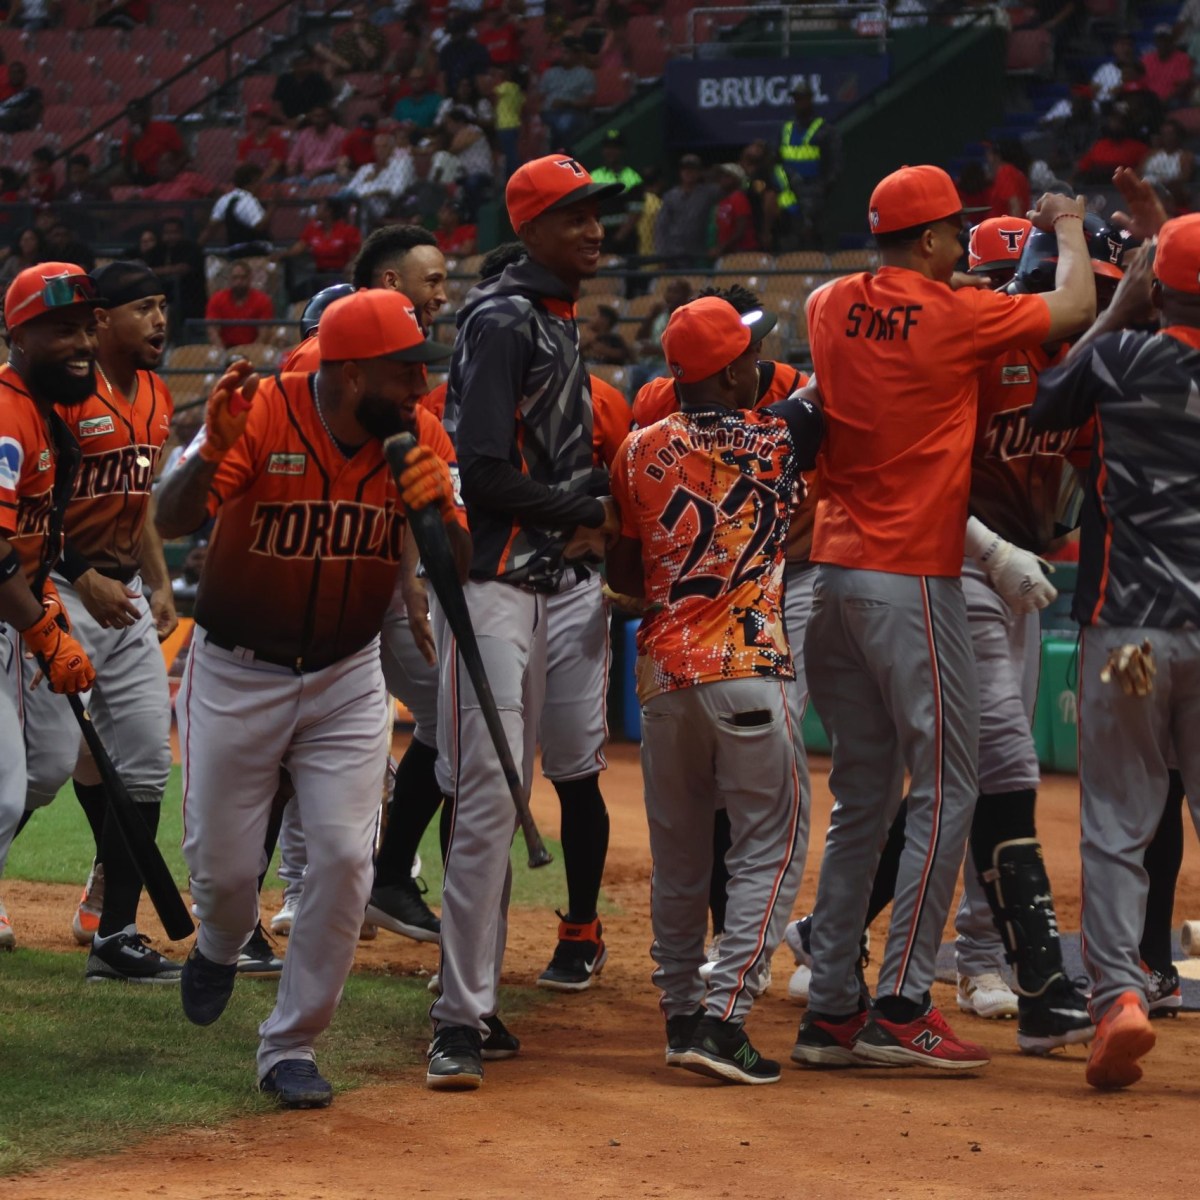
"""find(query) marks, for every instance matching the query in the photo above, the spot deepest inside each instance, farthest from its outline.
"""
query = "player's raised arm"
(1072, 304)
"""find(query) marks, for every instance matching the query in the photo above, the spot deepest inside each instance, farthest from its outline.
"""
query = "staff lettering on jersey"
(882, 325)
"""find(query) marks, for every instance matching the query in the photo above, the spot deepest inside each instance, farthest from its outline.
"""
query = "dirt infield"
(589, 1111)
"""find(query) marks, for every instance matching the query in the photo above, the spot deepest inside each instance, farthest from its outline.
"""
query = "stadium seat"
(614, 85)
(216, 153)
(640, 307)
(88, 90)
(191, 91)
(647, 40)
(22, 146)
(65, 121)
(604, 287)
(1030, 52)
(178, 16)
(617, 376)
(802, 260)
(752, 260)
(257, 89)
(854, 260)
(194, 358)
(1189, 118)
(589, 305)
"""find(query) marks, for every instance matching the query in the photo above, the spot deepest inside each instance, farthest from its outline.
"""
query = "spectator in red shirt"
(734, 216)
(1115, 149)
(146, 142)
(1168, 68)
(329, 238)
(42, 184)
(498, 35)
(1009, 195)
(175, 182)
(263, 145)
(454, 238)
(239, 301)
(358, 146)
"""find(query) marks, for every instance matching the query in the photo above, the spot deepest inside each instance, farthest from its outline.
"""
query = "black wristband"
(72, 564)
(10, 566)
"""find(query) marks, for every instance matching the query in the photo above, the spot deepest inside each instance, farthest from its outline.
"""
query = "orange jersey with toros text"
(897, 358)
(611, 421)
(35, 476)
(121, 444)
(1020, 480)
(302, 563)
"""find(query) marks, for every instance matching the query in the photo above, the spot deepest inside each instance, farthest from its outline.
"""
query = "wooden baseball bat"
(426, 526)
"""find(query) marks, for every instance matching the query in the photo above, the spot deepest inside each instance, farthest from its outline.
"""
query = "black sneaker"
(1164, 995)
(399, 907)
(258, 959)
(455, 1059)
(205, 988)
(721, 1050)
(578, 959)
(296, 1083)
(127, 956)
(499, 1043)
(681, 1031)
(1058, 1017)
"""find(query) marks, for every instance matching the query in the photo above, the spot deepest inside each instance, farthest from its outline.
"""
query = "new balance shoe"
(258, 959)
(8, 939)
(1164, 995)
(85, 923)
(296, 1083)
(455, 1059)
(827, 1042)
(926, 1042)
(1058, 1017)
(282, 921)
(721, 1050)
(400, 908)
(681, 1031)
(126, 956)
(500, 1042)
(1123, 1037)
(578, 958)
(205, 987)
(986, 995)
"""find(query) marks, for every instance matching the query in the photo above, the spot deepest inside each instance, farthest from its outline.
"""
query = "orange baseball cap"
(375, 323)
(996, 243)
(705, 336)
(1177, 258)
(551, 182)
(913, 196)
(40, 289)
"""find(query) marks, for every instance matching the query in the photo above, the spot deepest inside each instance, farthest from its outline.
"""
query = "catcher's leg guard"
(1018, 891)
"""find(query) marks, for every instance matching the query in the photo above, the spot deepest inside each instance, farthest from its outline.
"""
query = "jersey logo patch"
(286, 464)
(45, 462)
(11, 456)
(95, 427)
(1015, 375)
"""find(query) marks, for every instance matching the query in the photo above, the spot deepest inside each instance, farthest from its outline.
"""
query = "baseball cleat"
(986, 995)
(928, 1041)
(500, 1042)
(721, 1050)
(455, 1059)
(680, 1032)
(827, 1041)
(578, 959)
(258, 959)
(1058, 1017)
(85, 923)
(1123, 1036)
(127, 957)
(399, 908)
(281, 922)
(296, 1083)
(1164, 995)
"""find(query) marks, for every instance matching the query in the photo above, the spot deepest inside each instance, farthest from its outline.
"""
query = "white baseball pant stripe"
(239, 721)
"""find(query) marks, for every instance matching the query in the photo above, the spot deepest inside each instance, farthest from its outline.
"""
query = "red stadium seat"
(65, 121)
(179, 16)
(1030, 52)
(22, 146)
(649, 46)
(614, 85)
(90, 90)
(257, 89)
(216, 153)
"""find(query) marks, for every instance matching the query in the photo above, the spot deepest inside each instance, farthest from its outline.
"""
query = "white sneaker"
(799, 984)
(763, 981)
(796, 935)
(8, 939)
(710, 957)
(86, 921)
(986, 995)
(281, 922)
(416, 867)
(435, 984)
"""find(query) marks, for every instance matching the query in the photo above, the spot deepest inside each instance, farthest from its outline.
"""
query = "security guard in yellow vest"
(619, 215)
(808, 163)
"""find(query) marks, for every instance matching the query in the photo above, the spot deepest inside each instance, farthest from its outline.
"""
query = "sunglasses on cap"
(61, 291)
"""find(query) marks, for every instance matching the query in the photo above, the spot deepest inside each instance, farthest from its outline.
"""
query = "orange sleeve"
(1008, 322)
(619, 489)
(17, 439)
(430, 433)
(611, 421)
(654, 401)
(305, 358)
(435, 401)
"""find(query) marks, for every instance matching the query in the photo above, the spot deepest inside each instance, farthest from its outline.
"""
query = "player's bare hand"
(964, 279)
(60, 656)
(162, 610)
(1144, 214)
(426, 480)
(1131, 303)
(586, 544)
(228, 409)
(416, 605)
(111, 604)
(1052, 206)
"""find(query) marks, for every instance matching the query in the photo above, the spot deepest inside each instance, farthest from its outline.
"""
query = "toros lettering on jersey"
(318, 528)
(1009, 436)
(33, 514)
(124, 471)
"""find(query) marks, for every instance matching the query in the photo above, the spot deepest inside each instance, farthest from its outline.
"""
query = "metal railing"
(785, 23)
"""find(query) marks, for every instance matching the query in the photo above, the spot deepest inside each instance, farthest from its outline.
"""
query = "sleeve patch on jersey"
(1015, 374)
(95, 427)
(286, 464)
(11, 457)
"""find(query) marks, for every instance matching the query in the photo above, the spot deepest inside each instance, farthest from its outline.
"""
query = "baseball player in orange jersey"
(706, 496)
(121, 429)
(888, 649)
(994, 247)
(284, 667)
(49, 311)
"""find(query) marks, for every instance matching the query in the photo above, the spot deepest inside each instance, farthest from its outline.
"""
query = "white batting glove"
(1018, 576)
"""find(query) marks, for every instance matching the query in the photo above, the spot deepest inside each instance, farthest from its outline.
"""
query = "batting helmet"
(996, 243)
(311, 317)
(1039, 259)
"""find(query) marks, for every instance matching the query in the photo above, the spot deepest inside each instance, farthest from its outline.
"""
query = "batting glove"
(62, 658)
(426, 480)
(1019, 577)
(1132, 667)
(52, 603)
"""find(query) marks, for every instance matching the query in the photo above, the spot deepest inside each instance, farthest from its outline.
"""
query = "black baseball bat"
(438, 559)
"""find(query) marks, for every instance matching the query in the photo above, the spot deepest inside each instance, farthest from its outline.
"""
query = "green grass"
(57, 847)
(84, 1065)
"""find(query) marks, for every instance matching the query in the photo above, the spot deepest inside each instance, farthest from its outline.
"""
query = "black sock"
(584, 843)
(718, 884)
(122, 881)
(444, 826)
(25, 819)
(1164, 857)
(414, 802)
(884, 888)
(900, 1010)
(1000, 817)
(94, 803)
(274, 824)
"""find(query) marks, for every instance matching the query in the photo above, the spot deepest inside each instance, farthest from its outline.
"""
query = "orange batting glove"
(228, 410)
(426, 480)
(62, 658)
(52, 603)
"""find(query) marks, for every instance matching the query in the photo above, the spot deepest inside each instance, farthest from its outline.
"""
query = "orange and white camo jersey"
(709, 496)
(121, 444)
(1018, 477)
(302, 563)
(35, 476)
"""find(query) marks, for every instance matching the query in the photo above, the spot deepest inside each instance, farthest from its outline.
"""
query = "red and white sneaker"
(1123, 1035)
(825, 1043)
(85, 924)
(928, 1041)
